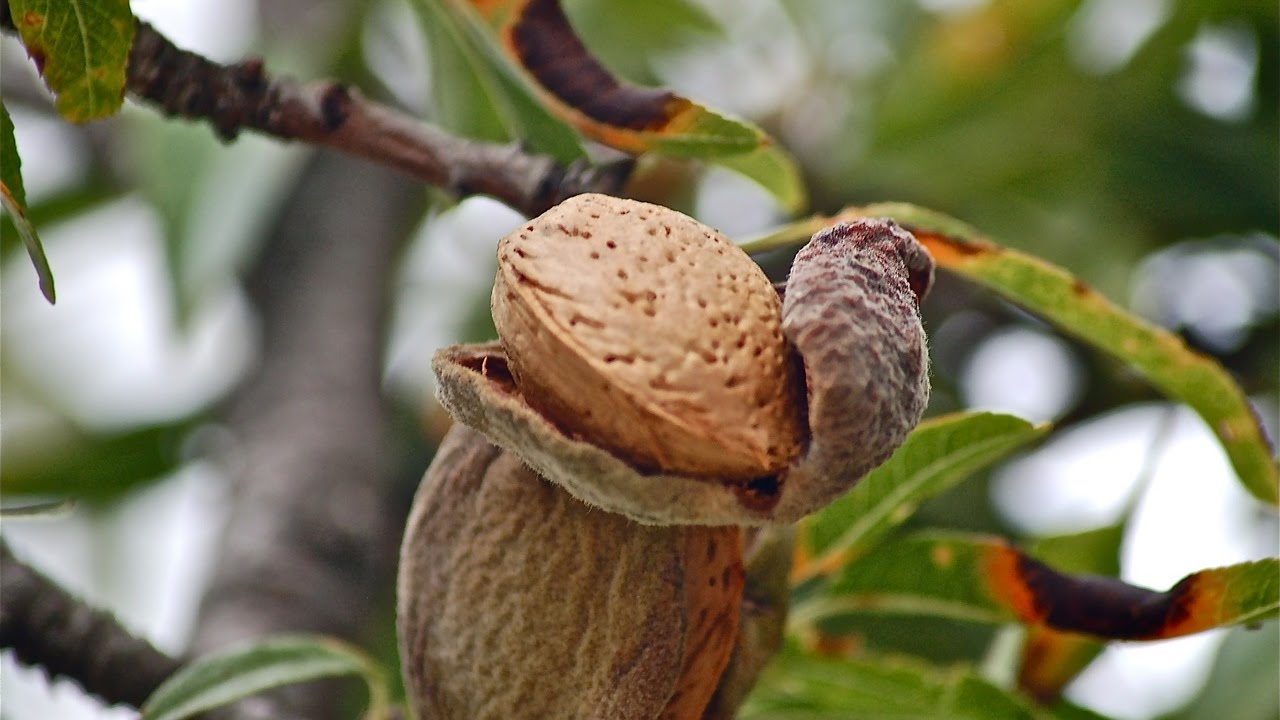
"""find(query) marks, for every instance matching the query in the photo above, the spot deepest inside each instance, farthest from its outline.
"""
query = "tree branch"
(330, 114)
(46, 626)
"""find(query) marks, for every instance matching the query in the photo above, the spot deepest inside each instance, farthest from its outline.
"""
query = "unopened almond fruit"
(519, 601)
(644, 332)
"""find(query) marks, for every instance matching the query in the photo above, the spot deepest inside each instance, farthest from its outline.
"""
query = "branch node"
(335, 106)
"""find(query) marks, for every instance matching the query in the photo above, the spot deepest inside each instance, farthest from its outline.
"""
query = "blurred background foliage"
(1134, 142)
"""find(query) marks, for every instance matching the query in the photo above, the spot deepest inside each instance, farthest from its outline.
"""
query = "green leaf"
(731, 143)
(1093, 551)
(477, 91)
(798, 686)
(81, 47)
(1242, 684)
(225, 677)
(14, 198)
(72, 462)
(628, 35)
(938, 454)
(701, 133)
(461, 100)
(62, 204)
(1071, 305)
(775, 170)
(983, 579)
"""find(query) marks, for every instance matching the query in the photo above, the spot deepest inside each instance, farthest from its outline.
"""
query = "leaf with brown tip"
(985, 579)
(539, 40)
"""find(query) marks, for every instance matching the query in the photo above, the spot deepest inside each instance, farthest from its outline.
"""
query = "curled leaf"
(1051, 658)
(477, 92)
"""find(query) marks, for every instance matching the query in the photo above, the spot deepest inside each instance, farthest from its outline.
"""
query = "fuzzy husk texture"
(518, 601)
(852, 312)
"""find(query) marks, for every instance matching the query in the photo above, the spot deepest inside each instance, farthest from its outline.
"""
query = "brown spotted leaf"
(81, 47)
(1070, 304)
(984, 579)
(574, 86)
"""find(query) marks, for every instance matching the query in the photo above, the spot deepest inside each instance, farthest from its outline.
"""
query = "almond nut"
(649, 334)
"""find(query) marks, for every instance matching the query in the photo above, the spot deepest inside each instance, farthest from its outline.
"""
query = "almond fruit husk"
(850, 320)
(517, 600)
